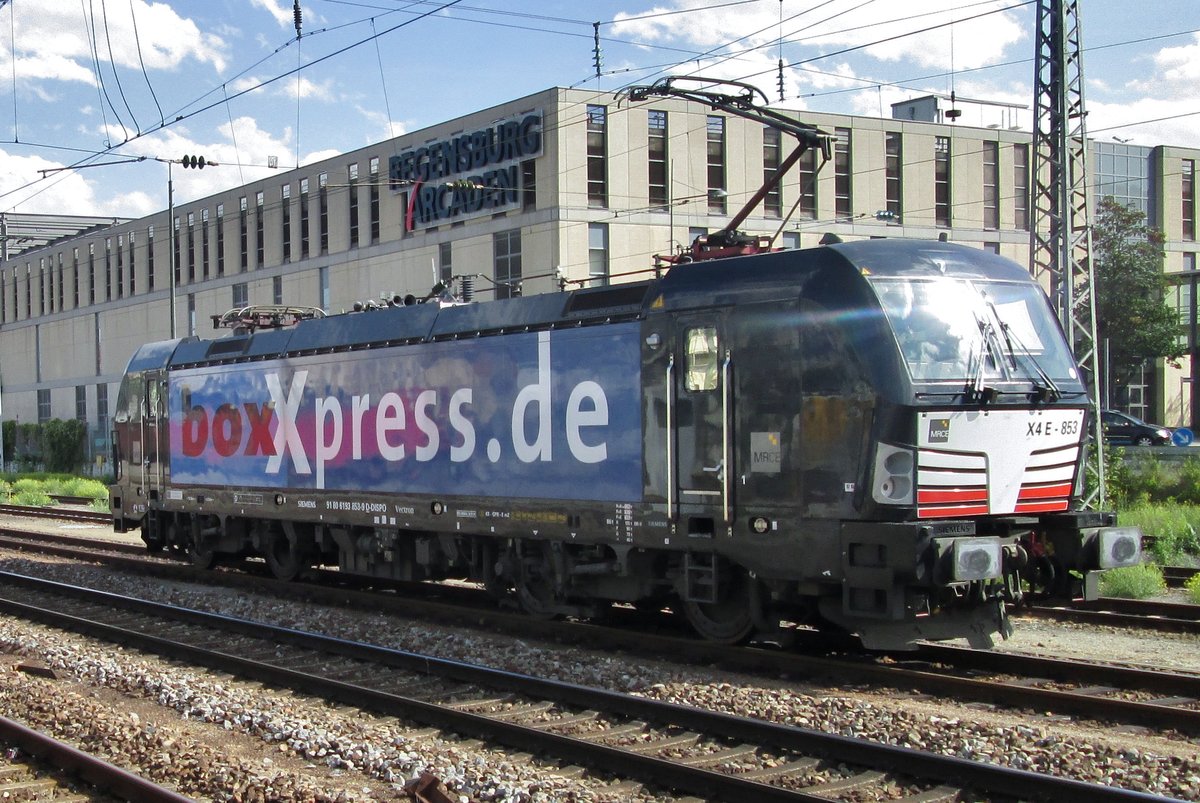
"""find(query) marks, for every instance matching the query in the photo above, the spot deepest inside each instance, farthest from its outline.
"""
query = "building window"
(1183, 297)
(598, 254)
(373, 197)
(49, 271)
(716, 165)
(941, 181)
(791, 239)
(991, 185)
(191, 247)
(132, 271)
(75, 277)
(842, 187)
(41, 293)
(81, 402)
(323, 288)
(98, 334)
(304, 218)
(285, 221)
(1188, 212)
(657, 173)
(92, 272)
(528, 184)
(894, 160)
(323, 211)
(120, 269)
(597, 169)
(244, 233)
(772, 143)
(204, 255)
(445, 264)
(277, 290)
(61, 275)
(43, 403)
(352, 181)
(1021, 186)
(258, 229)
(191, 314)
(220, 239)
(506, 257)
(807, 166)
(102, 407)
(241, 295)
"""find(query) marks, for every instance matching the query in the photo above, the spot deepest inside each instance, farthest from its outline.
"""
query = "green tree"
(63, 444)
(1132, 319)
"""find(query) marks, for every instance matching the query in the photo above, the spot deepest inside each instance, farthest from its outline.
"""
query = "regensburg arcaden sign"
(466, 175)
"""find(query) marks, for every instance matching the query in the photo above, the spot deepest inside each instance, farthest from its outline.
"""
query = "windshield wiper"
(976, 390)
(1047, 389)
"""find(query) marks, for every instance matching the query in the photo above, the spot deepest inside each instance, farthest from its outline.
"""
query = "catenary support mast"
(1060, 240)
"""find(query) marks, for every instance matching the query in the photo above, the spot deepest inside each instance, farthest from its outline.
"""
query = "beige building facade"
(563, 188)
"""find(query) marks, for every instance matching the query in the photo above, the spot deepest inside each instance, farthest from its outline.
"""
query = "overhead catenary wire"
(227, 98)
(137, 40)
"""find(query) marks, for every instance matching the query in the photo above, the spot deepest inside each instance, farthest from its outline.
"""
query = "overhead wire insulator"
(297, 16)
(596, 60)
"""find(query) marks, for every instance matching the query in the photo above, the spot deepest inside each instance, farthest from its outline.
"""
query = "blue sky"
(103, 81)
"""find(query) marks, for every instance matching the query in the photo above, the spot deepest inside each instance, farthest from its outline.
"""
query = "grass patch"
(31, 498)
(1175, 529)
(1133, 582)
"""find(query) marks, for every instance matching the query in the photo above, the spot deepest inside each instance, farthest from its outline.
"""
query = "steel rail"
(932, 679)
(100, 774)
(971, 774)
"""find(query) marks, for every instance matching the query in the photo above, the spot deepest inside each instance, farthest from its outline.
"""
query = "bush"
(1133, 582)
(1192, 587)
(1175, 530)
(77, 486)
(32, 498)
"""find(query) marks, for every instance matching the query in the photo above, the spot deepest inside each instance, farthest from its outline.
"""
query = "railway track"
(34, 766)
(645, 741)
(66, 513)
(1161, 700)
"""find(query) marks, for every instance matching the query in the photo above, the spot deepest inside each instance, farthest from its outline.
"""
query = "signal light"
(198, 162)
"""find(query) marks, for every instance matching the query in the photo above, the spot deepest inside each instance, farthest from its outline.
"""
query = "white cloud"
(287, 87)
(281, 13)
(56, 42)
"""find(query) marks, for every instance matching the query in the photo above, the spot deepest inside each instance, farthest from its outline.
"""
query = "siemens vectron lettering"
(512, 416)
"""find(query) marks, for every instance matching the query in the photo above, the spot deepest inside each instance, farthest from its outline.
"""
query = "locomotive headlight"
(893, 475)
(1120, 546)
(760, 525)
(976, 559)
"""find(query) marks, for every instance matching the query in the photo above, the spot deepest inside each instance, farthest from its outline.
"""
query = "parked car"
(1122, 428)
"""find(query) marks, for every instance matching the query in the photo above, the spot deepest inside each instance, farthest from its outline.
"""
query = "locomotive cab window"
(702, 349)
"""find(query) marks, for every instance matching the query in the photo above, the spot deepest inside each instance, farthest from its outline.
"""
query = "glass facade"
(1126, 173)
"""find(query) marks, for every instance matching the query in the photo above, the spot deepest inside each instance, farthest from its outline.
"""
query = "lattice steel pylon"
(1060, 243)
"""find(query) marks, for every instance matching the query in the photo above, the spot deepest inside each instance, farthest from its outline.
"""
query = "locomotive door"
(702, 424)
(153, 434)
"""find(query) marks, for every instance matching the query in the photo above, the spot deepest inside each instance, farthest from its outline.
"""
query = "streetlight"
(198, 162)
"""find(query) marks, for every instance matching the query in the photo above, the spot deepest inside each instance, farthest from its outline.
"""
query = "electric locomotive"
(881, 437)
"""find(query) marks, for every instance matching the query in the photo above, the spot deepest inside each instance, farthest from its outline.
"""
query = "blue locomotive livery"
(552, 414)
(883, 438)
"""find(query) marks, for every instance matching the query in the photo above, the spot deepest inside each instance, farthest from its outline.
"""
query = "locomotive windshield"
(974, 331)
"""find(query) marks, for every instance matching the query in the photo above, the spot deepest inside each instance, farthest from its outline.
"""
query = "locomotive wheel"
(284, 558)
(535, 582)
(729, 620)
(202, 557)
